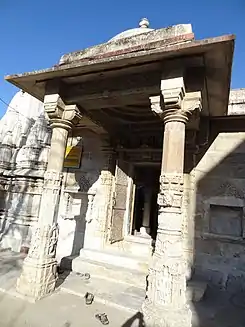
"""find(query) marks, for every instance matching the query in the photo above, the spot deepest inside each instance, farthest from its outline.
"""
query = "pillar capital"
(176, 107)
(59, 113)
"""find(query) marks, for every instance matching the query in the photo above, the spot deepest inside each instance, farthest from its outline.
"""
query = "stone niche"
(224, 217)
(226, 220)
(219, 243)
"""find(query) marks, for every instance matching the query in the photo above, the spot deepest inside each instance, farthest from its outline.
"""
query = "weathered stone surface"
(39, 274)
(85, 211)
(237, 102)
(169, 35)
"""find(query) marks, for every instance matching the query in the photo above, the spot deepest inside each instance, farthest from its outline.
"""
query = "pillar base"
(39, 273)
(38, 278)
(161, 316)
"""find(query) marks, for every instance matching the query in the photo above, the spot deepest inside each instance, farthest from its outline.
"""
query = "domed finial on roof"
(144, 23)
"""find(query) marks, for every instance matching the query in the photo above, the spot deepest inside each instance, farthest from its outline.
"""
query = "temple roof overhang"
(112, 82)
(215, 54)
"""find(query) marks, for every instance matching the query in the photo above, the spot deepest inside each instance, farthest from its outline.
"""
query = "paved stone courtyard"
(65, 308)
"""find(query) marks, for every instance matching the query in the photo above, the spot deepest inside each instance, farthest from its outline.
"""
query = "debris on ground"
(102, 317)
(89, 297)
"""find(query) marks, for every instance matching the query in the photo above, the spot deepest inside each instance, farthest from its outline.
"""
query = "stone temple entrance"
(146, 186)
(149, 96)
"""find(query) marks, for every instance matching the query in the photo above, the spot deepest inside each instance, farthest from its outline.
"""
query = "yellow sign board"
(73, 157)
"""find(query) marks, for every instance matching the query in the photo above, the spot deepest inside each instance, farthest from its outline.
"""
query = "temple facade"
(126, 159)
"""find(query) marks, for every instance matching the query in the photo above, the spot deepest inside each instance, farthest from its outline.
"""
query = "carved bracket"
(173, 91)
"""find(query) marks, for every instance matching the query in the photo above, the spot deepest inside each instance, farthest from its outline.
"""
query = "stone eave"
(34, 82)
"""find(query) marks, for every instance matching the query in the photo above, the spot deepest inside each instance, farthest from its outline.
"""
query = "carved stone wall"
(220, 212)
(24, 148)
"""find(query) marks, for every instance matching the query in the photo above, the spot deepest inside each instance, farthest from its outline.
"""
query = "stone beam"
(114, 87)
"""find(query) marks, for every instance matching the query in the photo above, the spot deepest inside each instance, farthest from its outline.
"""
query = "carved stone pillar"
(39, 275)
(165, 304)
(107, 174)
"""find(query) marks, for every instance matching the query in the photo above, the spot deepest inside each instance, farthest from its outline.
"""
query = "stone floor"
(59, 310)
(66, 306)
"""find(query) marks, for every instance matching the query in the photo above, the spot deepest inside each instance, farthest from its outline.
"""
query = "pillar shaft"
(165, 303)
(167, 283)
(57, 149)
(107, 174)
(39, 274)
(173, 145)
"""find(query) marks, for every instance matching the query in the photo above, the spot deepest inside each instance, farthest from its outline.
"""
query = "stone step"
(120, 295)
(108, 292)
(116, 258)
(106, 271)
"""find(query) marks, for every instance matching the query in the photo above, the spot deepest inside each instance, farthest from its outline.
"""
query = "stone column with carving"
(38, 277)
(107, 175)
(165, 304)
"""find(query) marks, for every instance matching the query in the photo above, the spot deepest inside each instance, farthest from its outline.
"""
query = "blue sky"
(34, 34)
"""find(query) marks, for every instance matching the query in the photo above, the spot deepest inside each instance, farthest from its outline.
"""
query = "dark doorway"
(146, 180)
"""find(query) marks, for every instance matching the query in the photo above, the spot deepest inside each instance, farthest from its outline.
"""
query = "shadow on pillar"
(219, 254)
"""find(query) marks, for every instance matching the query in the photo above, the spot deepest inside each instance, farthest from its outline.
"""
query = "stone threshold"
(108, 271)
(107, 292)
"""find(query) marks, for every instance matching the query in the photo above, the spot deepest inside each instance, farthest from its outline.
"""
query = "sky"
(35, 34)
